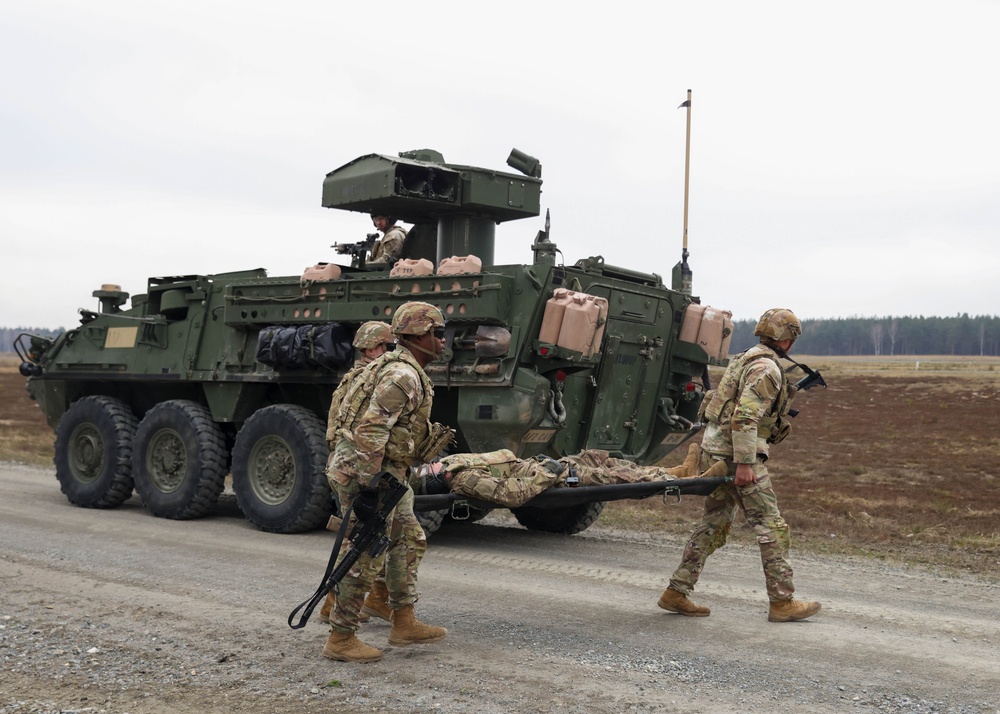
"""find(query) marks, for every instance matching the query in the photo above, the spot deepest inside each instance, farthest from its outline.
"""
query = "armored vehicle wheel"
(430, 521)
(93, 452)
(179, 460)
(567, 521)
(279, 470)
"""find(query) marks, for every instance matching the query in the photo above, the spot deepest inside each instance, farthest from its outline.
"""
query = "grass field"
(897, 459)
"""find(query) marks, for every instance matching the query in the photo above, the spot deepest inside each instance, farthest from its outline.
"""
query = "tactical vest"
(722, 405)
(338, 399)
(409, 431)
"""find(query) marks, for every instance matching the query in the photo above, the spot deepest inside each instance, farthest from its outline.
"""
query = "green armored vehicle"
(209, 375)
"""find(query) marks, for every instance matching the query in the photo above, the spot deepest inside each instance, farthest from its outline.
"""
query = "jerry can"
(320, 273)
(460, 264)
(409, 267)
(552, 319)
(691, 323)
(579, 324)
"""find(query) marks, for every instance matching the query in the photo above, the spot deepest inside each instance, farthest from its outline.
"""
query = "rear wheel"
(567, 521)
(179, 460)
(279, 470)
(94, 452)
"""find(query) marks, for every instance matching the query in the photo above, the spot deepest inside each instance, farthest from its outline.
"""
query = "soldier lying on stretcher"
(502, 478)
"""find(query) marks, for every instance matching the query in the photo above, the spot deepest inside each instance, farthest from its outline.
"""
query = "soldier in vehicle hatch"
(502, 478)
(383, 425)
(746, 414)
(389, 248)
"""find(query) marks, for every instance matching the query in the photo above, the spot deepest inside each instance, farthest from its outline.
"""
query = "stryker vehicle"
(208, 375)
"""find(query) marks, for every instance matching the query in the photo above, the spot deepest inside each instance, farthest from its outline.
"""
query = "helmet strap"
(410, 345)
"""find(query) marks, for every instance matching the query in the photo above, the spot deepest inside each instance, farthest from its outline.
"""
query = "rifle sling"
(309, 604)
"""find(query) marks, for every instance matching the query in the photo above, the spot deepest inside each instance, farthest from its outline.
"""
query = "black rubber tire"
(179, 460)
(430, 521)
(566, 521)
(93, 455)
(279, 470)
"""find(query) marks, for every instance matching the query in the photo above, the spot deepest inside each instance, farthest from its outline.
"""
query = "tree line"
(9, 334)
(959, 335)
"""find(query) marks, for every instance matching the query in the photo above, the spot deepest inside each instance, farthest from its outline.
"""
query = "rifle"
(372, 507)
(812, 379)
(358, 251)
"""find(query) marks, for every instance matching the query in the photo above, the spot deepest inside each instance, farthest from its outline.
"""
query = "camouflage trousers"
(760, 505)
(398, 565)
(598, 468)
(515, 482)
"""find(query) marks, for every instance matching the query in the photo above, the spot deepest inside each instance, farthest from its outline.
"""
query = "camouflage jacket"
(746, 413)
(388, 250)
(338, 399)
(383, 419)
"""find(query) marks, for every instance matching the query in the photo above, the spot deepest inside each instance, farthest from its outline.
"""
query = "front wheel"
(179, 460)
(279, 470)
(568, 520)
(94, 452)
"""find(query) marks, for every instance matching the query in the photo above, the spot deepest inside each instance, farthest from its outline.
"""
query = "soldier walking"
(746, 414)
(383, 424)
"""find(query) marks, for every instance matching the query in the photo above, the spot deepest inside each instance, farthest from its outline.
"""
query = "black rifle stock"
(367, 536)
(812, 379)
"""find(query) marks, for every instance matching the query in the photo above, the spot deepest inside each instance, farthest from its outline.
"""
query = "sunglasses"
(439, 333)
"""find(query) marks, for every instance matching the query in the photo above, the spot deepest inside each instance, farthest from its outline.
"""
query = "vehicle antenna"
(682, 275)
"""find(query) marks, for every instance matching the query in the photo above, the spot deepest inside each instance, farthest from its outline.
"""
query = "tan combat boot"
(408, 630)
(324, 612)
(688, 469)
(346, 647)
(675, 601)
(792, 610)
(377, 604)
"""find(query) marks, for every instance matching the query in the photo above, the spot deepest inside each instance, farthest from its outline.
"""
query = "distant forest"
(960, 335)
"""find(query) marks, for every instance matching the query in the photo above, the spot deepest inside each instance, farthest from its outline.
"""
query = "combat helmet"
(778, 324)
(416, 318)
(390, 220)
(372, 334)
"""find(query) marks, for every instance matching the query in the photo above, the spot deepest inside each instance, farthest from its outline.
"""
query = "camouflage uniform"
(389, 249)
(502, 478)
(369, 336)
(745, 414)
(383, 418)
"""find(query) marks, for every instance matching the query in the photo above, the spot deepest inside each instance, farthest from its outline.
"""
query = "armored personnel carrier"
(204, 376)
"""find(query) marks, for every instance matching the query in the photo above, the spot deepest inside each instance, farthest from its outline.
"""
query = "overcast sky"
(845, 157)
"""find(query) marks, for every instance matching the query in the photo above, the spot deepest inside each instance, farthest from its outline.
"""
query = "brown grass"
(890, 461)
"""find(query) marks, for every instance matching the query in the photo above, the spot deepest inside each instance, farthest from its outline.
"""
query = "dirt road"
(118, 611)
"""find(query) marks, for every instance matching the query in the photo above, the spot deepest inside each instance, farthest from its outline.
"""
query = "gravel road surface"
(119, 611)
